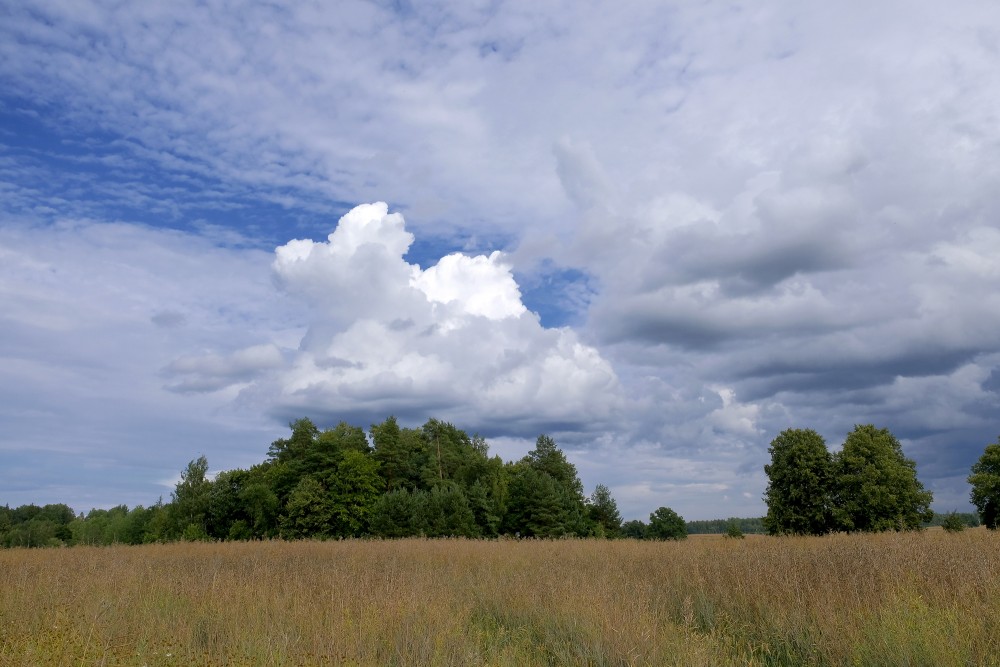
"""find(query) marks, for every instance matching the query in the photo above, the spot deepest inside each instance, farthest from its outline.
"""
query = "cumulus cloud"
(453, 340)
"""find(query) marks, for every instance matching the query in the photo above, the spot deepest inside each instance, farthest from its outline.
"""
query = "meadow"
(920, 598)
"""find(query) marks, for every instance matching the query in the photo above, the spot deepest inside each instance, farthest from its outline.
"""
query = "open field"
(927, 598)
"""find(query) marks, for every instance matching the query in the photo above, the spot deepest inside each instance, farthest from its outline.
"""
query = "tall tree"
(539, 506)
(548, 458)
(451, 454)
(876, 486)
(225, 507)
(286, 458)
(603, 511)
(191, 498)
(354, 488)
(261, 506)
(799, 489)
(401, 453)
(985, 481)
(304, 434)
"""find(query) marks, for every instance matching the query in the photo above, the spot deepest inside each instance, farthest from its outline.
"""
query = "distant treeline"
(968, 519)
(433, 481)
(755, 525)
(751, 526)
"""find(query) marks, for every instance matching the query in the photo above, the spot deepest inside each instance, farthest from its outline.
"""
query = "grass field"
(928, 598)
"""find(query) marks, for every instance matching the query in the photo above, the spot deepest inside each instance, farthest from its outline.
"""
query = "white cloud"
(480, 285)
(453, 340)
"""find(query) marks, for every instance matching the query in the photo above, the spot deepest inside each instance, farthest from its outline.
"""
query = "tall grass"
(895, 599)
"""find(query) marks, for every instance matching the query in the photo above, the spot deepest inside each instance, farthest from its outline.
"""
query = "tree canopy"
(798, 494)
(436, 480)
(985, 481)
(432, 481)
(666, 524)
(868, 486)
(876, 486)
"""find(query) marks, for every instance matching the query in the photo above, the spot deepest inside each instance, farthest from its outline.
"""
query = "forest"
(437, 481)
(431, 481)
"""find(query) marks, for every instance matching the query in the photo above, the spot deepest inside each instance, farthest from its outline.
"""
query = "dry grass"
(920, 599)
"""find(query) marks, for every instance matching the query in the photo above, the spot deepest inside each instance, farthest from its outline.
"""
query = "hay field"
(928, 598)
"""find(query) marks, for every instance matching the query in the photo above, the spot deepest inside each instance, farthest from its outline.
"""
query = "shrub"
(953, 523)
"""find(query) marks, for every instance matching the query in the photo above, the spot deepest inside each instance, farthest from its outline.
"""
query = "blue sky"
(661, 233)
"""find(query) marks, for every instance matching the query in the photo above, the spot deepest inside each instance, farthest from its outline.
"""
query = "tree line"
(432, 481)
(437, 481)
(869, 485)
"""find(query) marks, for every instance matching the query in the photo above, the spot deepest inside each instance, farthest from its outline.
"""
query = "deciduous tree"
(985, 481)
(634, 529)
(309, 511)
(666, 524)
(191, 497)
(603, 511)
(876, 486)
(800, 481)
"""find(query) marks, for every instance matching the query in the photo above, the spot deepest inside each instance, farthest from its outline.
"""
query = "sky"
(660, 232)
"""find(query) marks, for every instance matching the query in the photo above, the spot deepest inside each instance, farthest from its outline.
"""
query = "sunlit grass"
(927, 598)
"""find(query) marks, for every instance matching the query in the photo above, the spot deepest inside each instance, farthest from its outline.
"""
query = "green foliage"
(876, 485)
(191, 499)
(666, 524)
(868, 486)
(441, 512)
(309, 511)
(733, 530)
(243, 497)
(547, 458)
(450, 453)
(354, 488)
(969, 519)
(34, 526)
(985, 481)
(103, 527)
(634, 529)
(446, 513)
(402, 455)
(6, 521)
(436, 480)
(194, 532)
(397, 514)
(953, 523)
(752, 525)
(603, 511)
(261, 507)
(158, 525)
(341, 438)
(539, 506)
(800, 481)
(311, 452)
(545, 495)
(295, 448)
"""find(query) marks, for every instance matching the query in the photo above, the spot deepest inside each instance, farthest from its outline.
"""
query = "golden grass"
(927, 598)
